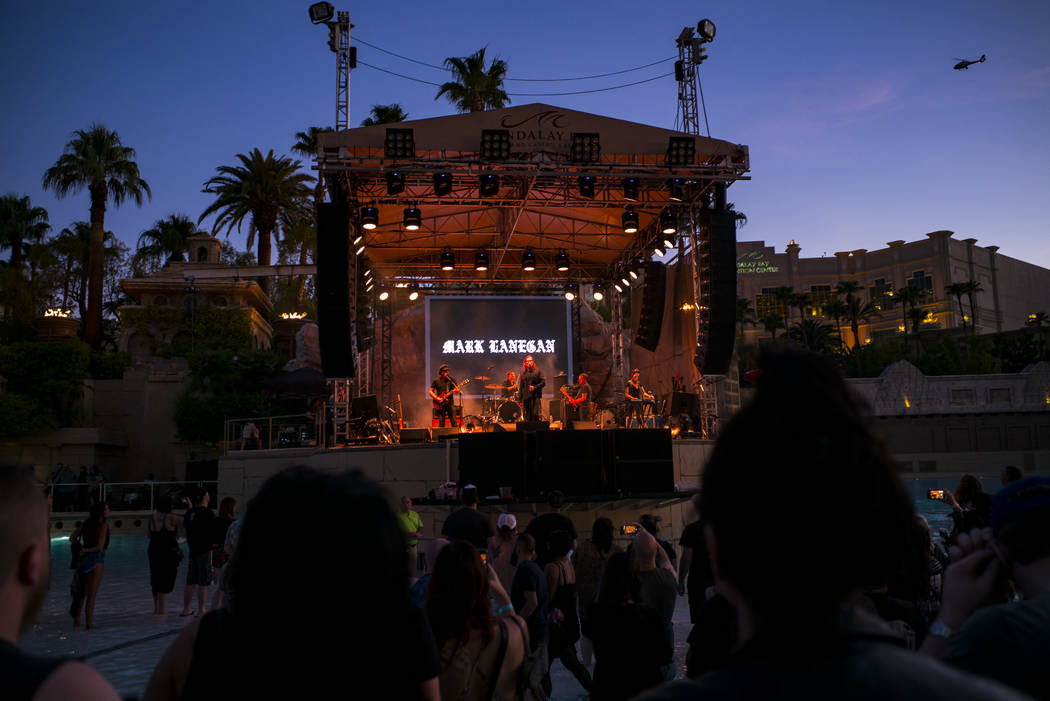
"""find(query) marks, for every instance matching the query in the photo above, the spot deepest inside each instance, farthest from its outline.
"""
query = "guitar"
(400, 416)
(444, 397)
(575, 402)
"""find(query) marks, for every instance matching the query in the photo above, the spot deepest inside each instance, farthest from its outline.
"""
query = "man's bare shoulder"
(73, 681)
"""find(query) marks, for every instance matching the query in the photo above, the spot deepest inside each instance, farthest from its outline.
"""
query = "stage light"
(562, 261)
(528, 260)
(658, 250)
(368, 287)
(596, 291)
(630, 187)
(586, 183)
(681, 151)
(636, 265)
(668, 221)
(361, 248)
(481, 260)
(414, 294)
(448, 259)
(369, 218)
(488, 184)
(442, 184)
(384, 293)
(676, 189)
(368, 272)
(630, 221)
(495, 144)
(321, 12)
(358, 239)
(570, 291)
(706, 29)
(669, 241)
(624, 279)
(400, 285)
(412, 218)
(395, 182)
(586, 147)
(399, 143)
(618, 288)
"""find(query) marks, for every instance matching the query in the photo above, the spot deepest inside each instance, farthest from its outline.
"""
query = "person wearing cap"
(412, 526)
(637, 397)
(1009, 642)
(441, 391)
(503, 549)
(467, 524)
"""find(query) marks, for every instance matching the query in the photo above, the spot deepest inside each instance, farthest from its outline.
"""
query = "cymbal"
(482, 378)
(493, 386)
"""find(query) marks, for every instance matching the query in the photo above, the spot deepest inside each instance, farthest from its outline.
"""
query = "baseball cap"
(1018, 497)
(508, 520)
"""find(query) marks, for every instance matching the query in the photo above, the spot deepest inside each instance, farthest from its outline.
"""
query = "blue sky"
(860, 131)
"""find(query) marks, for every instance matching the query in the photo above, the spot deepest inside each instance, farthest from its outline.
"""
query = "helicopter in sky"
(963, 64)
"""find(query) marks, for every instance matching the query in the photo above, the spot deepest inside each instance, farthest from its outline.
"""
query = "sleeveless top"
(21, 674)
(565, 600)
(162, 540)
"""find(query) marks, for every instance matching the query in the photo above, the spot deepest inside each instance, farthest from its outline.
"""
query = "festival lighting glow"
(60, 313)
(293, 315)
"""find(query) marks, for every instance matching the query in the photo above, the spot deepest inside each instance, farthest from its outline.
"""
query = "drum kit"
(495, 409)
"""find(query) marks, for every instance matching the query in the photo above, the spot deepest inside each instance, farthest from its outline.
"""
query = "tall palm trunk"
(96, 252)
(973, 314)
(962, 313)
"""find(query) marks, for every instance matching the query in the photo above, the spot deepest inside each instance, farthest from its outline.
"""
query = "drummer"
(510, 386)
(637, 398)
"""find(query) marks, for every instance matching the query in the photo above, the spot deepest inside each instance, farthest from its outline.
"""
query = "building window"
(766, 303)
(881, 294)
(202, 255)
(819, 297)
(921, 281)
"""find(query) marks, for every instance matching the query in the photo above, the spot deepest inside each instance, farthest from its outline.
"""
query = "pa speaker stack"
(333, 288)
(716, 334)
(651, 319)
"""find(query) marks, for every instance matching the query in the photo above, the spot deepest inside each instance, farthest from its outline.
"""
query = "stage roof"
(538, 205)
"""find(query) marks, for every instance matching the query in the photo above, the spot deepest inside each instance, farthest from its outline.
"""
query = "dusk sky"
(860, 132)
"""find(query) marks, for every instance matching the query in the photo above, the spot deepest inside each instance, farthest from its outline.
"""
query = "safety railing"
(274, 432)
(123, 496)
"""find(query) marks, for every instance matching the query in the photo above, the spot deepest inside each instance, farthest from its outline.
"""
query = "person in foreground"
(25, 574)
(800, 456)
(1005, 641)
(347, 628)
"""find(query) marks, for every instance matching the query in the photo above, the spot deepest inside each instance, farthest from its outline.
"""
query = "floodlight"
(495, 144)
(570, 291)
(669, 241)
(359, 238)
(668, 221)
(321, 12)
(481, 260)
(586, 147)
(412, 218)
(630, 221)
(369, 218)
(624, 279)
(630, 189)
(442, 184)
(562, 261)
(448, 259)
(395, 182)
(658, 250)
(618, 288)
(681, 150)
(384, 293)
(586, 183)
(399, 143)
(528, 260)
(676, 189)
(414, 294)
(706, 29)
(596, 291)
(361, 248)
(488, 184)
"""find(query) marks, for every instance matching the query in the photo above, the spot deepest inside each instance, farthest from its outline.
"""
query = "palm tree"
(971, 288)
(813, 335)
(738, 217)
(957, 290)
(306, 146)
(772, 322)
(916, 316)
(836, 310)
(908, 296)
(97, 159)
(1040, 322)
(857, 312)
(20, 222)
(783, 296)
(475, 88)
(72, 248)
(166, 241)
(258, 189)
(745, 311)
(300, 236)
(385, 114)
(799, 301)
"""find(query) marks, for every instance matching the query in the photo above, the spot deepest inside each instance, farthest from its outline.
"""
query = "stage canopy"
(544, 160)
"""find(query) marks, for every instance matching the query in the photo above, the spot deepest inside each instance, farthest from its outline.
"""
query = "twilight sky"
(860, 131)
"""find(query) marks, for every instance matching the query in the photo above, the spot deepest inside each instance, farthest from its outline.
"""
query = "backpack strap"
(499, 658)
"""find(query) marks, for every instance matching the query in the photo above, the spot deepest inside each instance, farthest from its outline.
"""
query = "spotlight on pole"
(321, 12)
(706, 29)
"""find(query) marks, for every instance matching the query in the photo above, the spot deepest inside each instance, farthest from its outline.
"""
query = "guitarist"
(578, 400)
(441, 391)
(530, 389)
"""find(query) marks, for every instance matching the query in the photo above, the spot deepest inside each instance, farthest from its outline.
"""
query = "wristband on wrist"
(504, 609)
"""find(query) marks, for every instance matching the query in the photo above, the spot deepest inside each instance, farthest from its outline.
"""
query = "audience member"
(971, 507)
(799, 456)
(655, 583)
(543, 525)
(25, 575)
(630, 645)
(563, 629)
(347, 626)
(1010, 473)
(528, 592)
(219, 557)
(467, 524)
(93, 536)
(502, 555)
(412, 527)
(197, 522)
(481, 654)
(418, 592)
(651, 523)
(694, 569)
(589, 561)
(1009, 642)
(164, 552)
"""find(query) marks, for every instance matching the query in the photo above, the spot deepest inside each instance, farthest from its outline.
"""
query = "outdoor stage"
(551, 459)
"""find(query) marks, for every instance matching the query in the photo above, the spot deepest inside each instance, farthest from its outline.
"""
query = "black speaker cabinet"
(492, 461)
(719, 333)
(333, 289)
(533, 426)
(571, 461)
(641, 460)
(414, 435)
(651, 318)
(685, 403)
(554, 409)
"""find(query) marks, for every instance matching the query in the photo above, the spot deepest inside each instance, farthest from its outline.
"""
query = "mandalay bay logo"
(547, 128)
(497, 345)
(754, 262)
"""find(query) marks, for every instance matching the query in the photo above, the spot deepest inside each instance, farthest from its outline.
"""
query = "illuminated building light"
(293, 315)
(60, 313)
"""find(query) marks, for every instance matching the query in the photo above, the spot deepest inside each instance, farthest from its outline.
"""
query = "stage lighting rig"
(448, 259)
(586, 184)
(495, 144)
(668, 221)
(562, 261)
(631, 187)
(488, 184)
(681, 151)
(629, 219)
(442, 184)
(369, 218)
(395, 182)
(399, 143)
(597, 291)
(412, 218)
(528, 260)
(481, 260)
(586, 147)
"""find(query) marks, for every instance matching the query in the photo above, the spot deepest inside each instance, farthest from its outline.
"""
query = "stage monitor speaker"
(333, 289)
(493, 460)
(641, 460)
(685, 403)
(583, 426)
(414, 435)
(554, 409)
(446, 433)
(533, 426)
(570, 461)
(718, 334)
(560, 380)
(651, 318)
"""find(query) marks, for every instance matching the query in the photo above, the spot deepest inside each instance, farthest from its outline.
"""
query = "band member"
(441, 391)
(578, 400)
(530, 389)
(510, 386)
(637, 398)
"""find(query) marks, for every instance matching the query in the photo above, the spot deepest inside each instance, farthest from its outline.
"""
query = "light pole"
(345, 55)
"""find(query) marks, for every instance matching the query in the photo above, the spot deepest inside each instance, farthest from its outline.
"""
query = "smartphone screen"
(484, 558)
(935, 494)
(628, 529)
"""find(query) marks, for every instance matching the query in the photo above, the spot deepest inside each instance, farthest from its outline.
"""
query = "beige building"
(1012, 289)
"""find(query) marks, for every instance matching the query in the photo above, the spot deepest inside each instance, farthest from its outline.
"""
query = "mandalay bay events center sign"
(754, 263)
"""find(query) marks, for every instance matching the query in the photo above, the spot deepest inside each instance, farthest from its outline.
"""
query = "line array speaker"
(716, 334)
(651, 318)
(333, 289)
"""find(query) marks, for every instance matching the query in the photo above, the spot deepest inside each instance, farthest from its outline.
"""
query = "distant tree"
(166, 240)
(957, 290)
(385, 114)
(972, 287)
(836, 310)
(799, 301)
(908, 297)
(257, 190)
(475, 88)
(772, 322)
(300, 243)
(783, 295)
(20, 223)
(97, 159)
(739, 218)
(306, 146)
(813, 335)
(916, 316)
(745, 312)
(857, 312)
